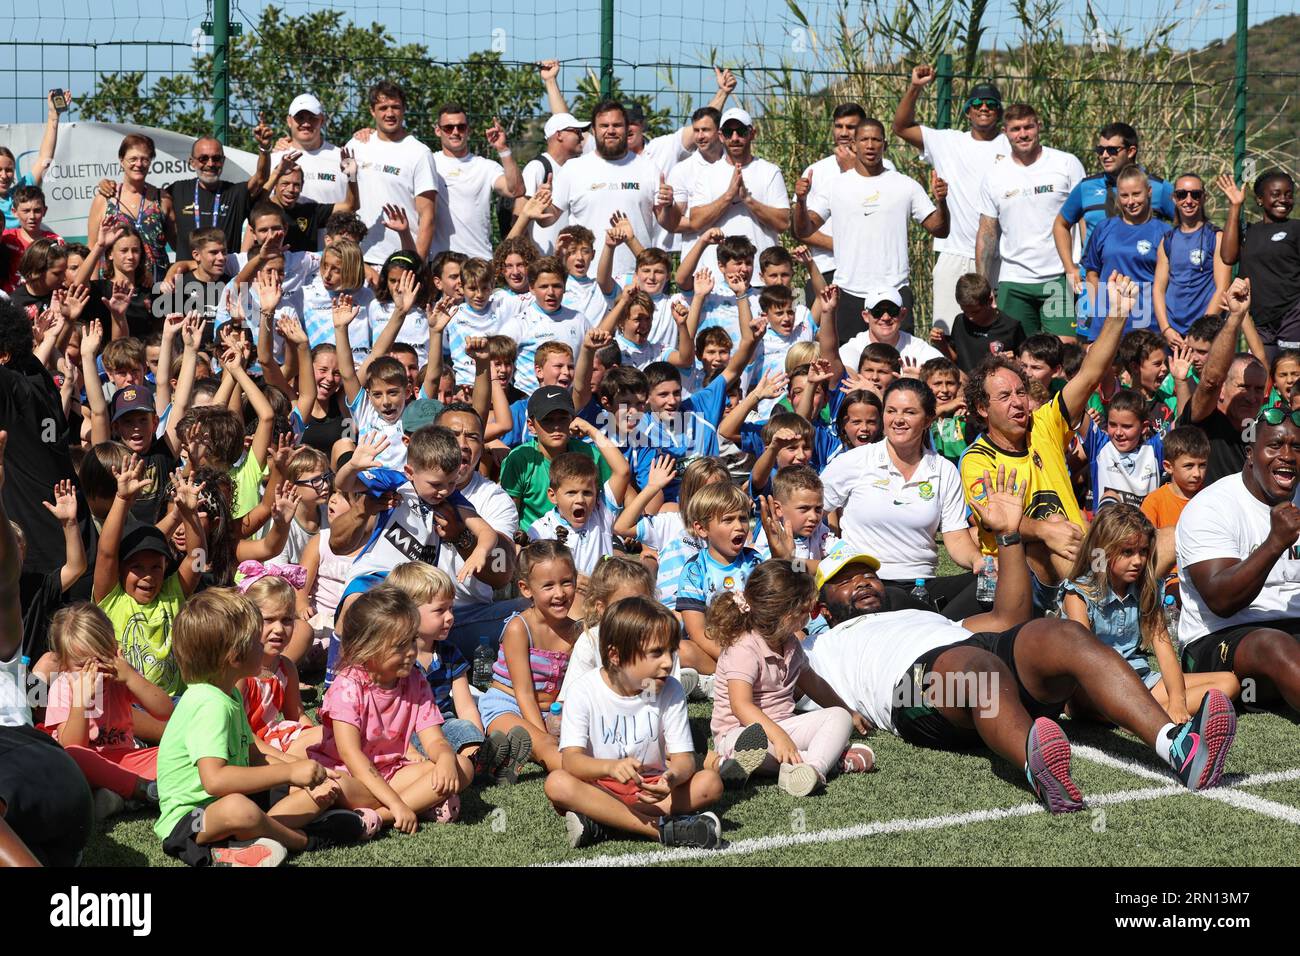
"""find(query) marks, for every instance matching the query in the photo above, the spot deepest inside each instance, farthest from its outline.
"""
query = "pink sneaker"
(446, 812)
(372, 822)
(858, 758)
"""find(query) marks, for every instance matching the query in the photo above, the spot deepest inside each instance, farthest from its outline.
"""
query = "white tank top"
(331, 574)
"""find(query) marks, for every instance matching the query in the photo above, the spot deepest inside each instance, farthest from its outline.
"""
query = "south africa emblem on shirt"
(925, 490)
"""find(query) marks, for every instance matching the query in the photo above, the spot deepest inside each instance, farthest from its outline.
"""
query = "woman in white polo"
(894, 495)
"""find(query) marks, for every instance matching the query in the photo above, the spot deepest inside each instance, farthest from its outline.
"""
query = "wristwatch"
(465, 540)
(1006, 540)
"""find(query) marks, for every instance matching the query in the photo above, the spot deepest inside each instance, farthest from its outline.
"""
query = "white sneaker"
(798, 779)
(705, 690)
(108, 804)
(689, 679)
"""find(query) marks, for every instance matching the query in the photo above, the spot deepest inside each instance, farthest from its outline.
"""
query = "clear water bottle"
(986, 582)
(552, 719)
(483, 661)
(919, 593)
(1172, 615)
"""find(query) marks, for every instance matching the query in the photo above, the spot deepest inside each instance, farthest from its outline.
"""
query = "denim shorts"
(459, 733)
(496, 702)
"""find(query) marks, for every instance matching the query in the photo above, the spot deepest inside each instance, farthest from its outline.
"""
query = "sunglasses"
(319, 483)
(732, 131)
(213, 159)
(1184, 193)
(977, 103)
(1277, 415)
(455, 127)
(1108, 150)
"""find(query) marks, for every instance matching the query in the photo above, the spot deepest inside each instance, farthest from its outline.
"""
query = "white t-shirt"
(14, 708)
(584, 295)
(909, 347)
(892, 519)
(683, 179)
(368, 421)
(465, 219)
(764, 182)
(1227, 521)
(392, 172)
(1025, 201)
(591, 543)
(870, 215)
(666, 152)
(864, 658)
(962, 161)
(824, 173)
(591, 189)
(323, 180)
(415, 327)
(496, 508)
(534, 175)
(562, 325)
(609, 726)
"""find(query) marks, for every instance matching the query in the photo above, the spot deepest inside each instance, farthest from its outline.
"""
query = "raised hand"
(803, 186)
(348, 163)
(131, 478)
(269, 291)
(172, 324)
(536, 206)
(443, 310)
(92, 338)
(1121, 294)
(830, 299)
(111, 230)
(1004, 504)
(1180, 363)
(597, 339)
(75, 301)
(371, 446)
(186, 492)
(1238, 296)
(681, 312)
(819, 372)
(64, 508)
(192, 331)
(664, 195)
(910, 368)
(803, 256)
(737, 284)
(263, 133)
(780, 538)
(404, 295)
(286, 502)
(775, 382)
(922, 75)
(476, 347)
(395, 218)
(725, 78)
(280, 453)
(1235, 195)
(549, 69)
(496, 136)
(291, 329)
(662, 472)
(704, 282)
(344, 311)
(121, 298)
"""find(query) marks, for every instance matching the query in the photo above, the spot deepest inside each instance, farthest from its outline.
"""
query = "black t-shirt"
(1227, 447)
(46, 797)
(974, 343)
(306, 220)
(40, 594)
(230, 215)
(140, 320)
(194, 295)
(36, 458)
(31, 305)
(159, 463)
(1270, 259)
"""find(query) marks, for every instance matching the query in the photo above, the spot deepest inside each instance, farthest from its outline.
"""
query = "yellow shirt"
(144, 632)
(1042, 466)
(247, 481)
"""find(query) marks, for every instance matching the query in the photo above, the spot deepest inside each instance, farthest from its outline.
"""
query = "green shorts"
(1039, 306)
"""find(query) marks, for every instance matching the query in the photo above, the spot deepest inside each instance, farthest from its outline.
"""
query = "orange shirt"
(1163, 506)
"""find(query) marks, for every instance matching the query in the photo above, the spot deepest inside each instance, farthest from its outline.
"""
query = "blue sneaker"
(1047, 766)
(1201, 745)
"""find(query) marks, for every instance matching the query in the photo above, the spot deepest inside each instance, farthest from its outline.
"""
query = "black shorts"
(923, 726)
(182, 843)
(1217, 651)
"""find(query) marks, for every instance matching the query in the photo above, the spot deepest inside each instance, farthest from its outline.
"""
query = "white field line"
(1226, 793)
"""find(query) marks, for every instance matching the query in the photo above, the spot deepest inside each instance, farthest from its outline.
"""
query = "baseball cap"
(547, 399)
(634, 114)
(839, 558)
(380, 481)
(736, 115)
(305, 101)
(562, 121)
(875, 297)
(983, 91)
(419, 413)
(132, 398)
(138, 538)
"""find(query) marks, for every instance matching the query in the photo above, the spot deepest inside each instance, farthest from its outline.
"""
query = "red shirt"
(16, 242)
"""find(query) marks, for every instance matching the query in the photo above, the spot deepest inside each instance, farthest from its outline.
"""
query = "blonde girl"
(377, 704)
(755, 727)
(1121, 603)
(342, 272)
(92, 699)
(615, 578)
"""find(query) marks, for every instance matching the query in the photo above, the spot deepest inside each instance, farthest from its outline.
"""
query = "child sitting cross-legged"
(213, 782)
(628, 762)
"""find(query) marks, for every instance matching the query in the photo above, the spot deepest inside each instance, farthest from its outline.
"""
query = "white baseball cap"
(877, 296)
(562, 121)
(305, 101)
(737, 114)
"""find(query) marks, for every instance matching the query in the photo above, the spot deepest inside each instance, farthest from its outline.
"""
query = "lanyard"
(216, 208)
(139, 210)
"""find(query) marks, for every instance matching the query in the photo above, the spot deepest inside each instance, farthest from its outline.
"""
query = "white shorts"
(948, 268)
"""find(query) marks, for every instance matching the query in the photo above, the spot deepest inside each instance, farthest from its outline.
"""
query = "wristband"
(503, 153)
(1007, 540)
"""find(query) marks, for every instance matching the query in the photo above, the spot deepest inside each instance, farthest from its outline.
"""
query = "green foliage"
(658, 121)
(337, 60)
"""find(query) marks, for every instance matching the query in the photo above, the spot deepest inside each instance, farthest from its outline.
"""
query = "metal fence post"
(943, 92)
(1239, 124)
(221, 70)
(606, 48)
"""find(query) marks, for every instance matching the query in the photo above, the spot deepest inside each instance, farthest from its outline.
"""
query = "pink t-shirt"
(772, 673)
(108, 714)
(388, 717)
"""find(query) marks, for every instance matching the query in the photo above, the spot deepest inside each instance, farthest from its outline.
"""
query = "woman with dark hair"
(893, 496)
(146, 209)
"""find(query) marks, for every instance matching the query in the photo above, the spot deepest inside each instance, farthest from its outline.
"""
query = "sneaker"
(700, 830)
(1201, 745)
(262, 852)
(583, 830)
(335, 828)
(518, 748)
(371, 823)
(1048, 767)
(108, 804)
(858, 758)
(799, 779)
(485, 759)
(690, 679)
(703, 689)
(446, 812)
(750, 751)
(151, 792)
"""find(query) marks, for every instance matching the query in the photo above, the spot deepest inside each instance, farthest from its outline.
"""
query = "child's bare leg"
(1197, 686)
(305, 740)
(465, 766)
(702, 790)
(567, 792)
(546, 749)
(694, 656)
(147, 726)
(301, 807)
(235, 816)
(414, 784)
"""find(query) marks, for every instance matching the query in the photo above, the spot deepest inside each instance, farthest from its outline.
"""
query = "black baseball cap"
(547, 399)
(131, 398)
(139, 537)
(983, 91)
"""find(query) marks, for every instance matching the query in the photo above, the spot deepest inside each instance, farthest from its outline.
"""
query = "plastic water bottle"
(1172, 615)
(919, 593)
(552, 719)
(483, 661)
(986, 582)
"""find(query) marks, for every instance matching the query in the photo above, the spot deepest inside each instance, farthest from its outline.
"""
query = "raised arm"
(1121, 294)
(1001, 514)
(511, 182)
(550, 72)
(1230, 242)
(691, 260)
(50, 141)
(938, 222)
(233, 365)
(595, 340)
(620, 471)
(1214, 373)
(91, 341)
(131, 481)
(343, 313)
(906, 127)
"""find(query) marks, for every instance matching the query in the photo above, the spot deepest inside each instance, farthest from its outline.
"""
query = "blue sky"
(665, 31)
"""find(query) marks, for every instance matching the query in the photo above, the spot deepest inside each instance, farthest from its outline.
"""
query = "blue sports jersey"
(691, 432)
(1130, 250)
(1191, 274)
(704, 578)
(1087, 201)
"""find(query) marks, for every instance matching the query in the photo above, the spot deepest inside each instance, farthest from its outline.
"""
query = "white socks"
(1165, 738)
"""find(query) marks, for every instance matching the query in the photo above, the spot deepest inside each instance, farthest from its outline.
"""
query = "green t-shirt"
(949, 436)
(144, 632)
(247, 481)
(526, 474)
(205, 723)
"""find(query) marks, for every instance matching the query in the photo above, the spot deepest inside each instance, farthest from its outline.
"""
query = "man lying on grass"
(998, 677)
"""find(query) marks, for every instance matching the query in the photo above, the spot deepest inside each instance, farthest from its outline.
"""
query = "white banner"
(87, 153)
